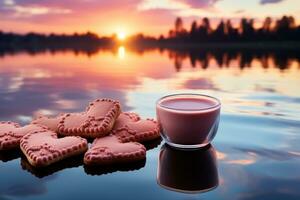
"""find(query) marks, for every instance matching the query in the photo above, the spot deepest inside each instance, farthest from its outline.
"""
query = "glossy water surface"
(257, 145)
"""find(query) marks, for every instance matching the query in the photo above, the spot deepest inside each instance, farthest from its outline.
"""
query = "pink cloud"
(200, 3)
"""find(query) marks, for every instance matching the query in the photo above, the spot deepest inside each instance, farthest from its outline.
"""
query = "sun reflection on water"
(121, 52)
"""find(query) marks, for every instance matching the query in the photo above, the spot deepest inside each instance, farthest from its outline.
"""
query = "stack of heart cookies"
(117, 136)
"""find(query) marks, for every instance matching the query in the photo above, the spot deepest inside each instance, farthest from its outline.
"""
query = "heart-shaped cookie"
(129, 127)
(51, 123)
(11, 134)
(110, 149)
(44, 148)
(96, 121)
(124, 118)
(121, 145)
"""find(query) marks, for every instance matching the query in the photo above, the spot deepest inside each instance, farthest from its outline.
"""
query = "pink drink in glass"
(188, 120)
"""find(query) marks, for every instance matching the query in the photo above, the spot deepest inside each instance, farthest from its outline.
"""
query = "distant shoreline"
(159, 44)
(90, 47)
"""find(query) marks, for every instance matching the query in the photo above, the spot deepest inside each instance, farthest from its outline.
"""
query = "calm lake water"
(257, 145)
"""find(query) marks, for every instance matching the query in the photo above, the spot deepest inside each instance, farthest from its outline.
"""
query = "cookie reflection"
(107, 169)
(152, 144)
(8, 155)
(188, 171)
(42, 172)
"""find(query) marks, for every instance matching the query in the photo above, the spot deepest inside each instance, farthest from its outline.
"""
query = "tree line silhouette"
(88, 43)
(283, 29)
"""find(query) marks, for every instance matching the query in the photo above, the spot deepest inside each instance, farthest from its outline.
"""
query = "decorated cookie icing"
(129, 128)
(110, 149)
(96, 121)
(44, 148)
(51, 123)
(11, 134)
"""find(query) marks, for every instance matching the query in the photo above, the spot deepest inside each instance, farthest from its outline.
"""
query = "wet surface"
(256, 148)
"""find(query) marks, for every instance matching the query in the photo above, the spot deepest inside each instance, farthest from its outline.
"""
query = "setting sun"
(121, 35)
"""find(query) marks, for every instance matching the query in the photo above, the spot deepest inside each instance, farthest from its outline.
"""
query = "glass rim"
(218, 102)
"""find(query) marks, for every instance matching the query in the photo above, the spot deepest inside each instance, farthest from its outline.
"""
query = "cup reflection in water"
(187, 171)
(188, 120)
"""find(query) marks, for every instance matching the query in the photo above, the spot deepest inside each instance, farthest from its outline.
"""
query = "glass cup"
(188, 120)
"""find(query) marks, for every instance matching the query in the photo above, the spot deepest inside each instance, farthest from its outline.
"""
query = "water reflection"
(8, 155)
(198, 57)
(52, 84)
(23, 190)
(152, 144)
(15, 183)
(258, 139)
(243, 58)
(107, 169)
(270, 153)
(75, 162)
(51, 169)
(188, 171)
(121, 52)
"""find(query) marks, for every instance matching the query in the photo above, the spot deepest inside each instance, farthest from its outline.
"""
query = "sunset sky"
(152, 17)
